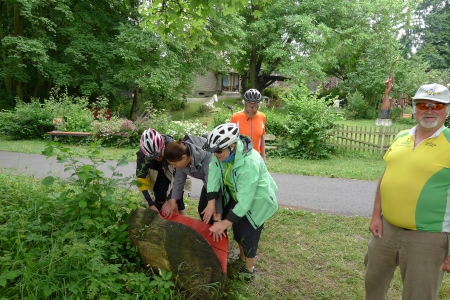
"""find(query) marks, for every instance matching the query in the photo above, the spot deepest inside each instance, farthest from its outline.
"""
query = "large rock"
(181, 245)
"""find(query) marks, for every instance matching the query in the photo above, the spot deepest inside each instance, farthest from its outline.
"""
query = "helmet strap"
(231, 155)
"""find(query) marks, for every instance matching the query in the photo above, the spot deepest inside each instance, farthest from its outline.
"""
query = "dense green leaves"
(68, 239)
(431, 33)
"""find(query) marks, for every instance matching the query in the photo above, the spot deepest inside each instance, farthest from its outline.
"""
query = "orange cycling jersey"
(254, 127)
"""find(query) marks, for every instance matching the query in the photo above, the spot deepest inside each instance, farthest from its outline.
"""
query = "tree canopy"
(112, 48)
(431, 32)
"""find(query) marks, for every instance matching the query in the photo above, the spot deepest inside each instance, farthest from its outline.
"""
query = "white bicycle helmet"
(252, 96)
(152, 143)
(221, 137)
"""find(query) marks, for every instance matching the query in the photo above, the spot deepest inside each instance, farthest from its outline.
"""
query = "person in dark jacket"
(154, 174)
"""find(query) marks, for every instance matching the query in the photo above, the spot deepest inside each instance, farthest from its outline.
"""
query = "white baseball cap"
(435, 92)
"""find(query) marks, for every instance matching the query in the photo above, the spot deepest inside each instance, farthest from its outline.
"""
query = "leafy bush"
(275, 123)
(221, 116)
(310, 123)
(395, 113)
(357, 106)
(116, 132)
(68, 239)
(177, 129)
(372, 114)
(203, 110)
(412, 122)
(74, 111)
(27, 121)
(275, 92)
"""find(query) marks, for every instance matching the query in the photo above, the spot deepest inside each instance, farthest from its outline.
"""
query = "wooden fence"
(373, 139)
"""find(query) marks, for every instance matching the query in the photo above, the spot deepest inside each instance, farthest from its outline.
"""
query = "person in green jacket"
(239, 179)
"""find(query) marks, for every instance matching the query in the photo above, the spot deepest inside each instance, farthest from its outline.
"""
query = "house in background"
(214, 83)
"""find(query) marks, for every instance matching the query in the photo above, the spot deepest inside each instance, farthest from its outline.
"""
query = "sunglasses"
(219, 151)
(433, 106)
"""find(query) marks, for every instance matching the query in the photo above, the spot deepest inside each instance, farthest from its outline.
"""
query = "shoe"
(247, 275)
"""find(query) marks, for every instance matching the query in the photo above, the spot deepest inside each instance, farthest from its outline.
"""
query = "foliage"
(68, 238)
(406, 121)
(61, 43)
(273, 92)
(311, 121)
(447, 122)
(221, 116)
(276, 123)
(203, 110)
(157, 71)
(115, 132)
(32, 120)
(188, 19)
(74, 111)
(429, 34)
(356, 106)
(177, 129)
(27, 121)
(395, 113)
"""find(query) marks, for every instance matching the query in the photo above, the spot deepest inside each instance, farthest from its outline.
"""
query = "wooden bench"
(270, 137)
(67, 133)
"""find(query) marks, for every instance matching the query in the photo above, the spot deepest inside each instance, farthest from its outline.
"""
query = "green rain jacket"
(255, 188)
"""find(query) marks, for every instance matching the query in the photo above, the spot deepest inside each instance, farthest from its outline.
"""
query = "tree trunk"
(18, 31)
(252, 72)
(181, 245)
(137, 99)
(218, 83)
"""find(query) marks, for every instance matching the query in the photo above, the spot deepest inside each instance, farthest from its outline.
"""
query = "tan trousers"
(419, 255)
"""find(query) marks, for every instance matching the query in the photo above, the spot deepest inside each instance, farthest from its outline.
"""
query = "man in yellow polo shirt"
(252, 122)
(411, 215)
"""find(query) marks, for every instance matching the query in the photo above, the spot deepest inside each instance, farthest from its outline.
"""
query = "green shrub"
(27, 121)
(221, 116)
(74, 111)
(275, 92)
(276, 123)
(310, 123)
(395, 113)
(68, 239)
(412, 122)
(357, 106)
(178, 129)
(116, 132)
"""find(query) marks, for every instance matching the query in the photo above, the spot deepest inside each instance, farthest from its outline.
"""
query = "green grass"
(344, 164)
(305, 255)
(37, 146)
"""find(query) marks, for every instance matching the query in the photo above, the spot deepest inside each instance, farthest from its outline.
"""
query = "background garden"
(66, 239)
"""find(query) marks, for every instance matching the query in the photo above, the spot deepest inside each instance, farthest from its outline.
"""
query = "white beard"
(424, 124)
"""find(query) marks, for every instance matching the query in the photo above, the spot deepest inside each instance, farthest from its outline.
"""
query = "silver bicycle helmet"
(152, 143)
(252, 96)
(221, 137)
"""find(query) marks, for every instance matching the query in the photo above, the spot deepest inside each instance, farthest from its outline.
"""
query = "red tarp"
(220, 247)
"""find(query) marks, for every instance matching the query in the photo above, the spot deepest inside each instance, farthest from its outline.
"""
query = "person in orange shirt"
(252, 122)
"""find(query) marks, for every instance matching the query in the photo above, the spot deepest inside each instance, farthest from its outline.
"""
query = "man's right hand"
(376, 226)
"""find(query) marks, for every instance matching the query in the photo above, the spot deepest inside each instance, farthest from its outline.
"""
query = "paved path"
(331, 195)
